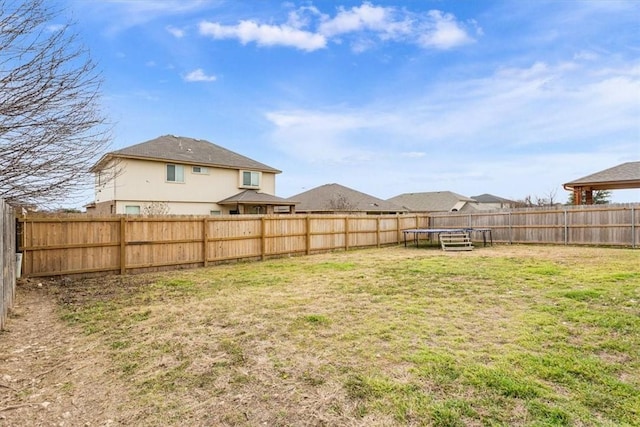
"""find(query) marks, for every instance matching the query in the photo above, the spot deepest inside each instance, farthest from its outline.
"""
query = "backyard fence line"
(55, 245)
(59, 245)
(600, 225)
(7, 260)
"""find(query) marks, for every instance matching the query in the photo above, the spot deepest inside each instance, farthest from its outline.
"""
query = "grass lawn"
(503, 335)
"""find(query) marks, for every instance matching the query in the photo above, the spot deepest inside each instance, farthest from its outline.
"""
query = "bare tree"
(51, 126)
(340, 203)
(527, 202)
(156, 208)
(549, 199)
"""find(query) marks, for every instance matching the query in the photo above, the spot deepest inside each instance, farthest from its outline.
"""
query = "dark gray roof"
(253, 196)
(181, 149)
(336, 198)
(434, 201)
(620, 176)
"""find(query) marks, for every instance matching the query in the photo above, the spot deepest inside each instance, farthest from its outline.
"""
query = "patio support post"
(589, 197)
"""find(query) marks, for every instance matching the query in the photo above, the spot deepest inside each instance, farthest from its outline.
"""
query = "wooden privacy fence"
(606, 225)
(55, 245)
(7, 260)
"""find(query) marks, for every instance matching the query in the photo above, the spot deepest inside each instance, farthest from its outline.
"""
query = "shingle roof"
(191, 151)
(336, 197)
(253, 196)
(490, 198)
(434, 201)
(625, 175)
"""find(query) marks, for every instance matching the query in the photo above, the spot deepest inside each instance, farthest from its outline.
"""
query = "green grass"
(501, 336)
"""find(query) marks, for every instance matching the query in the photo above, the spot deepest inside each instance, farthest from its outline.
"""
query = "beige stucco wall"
(171, 208)
(105, 183)
(140, 182)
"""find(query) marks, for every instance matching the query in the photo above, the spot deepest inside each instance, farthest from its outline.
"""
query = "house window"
(132, 209)
(250, 179)
(201, 170)
(215, 213)
(175, 173)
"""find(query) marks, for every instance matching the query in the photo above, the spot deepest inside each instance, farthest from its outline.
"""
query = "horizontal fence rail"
(82, 245)
(605, 225)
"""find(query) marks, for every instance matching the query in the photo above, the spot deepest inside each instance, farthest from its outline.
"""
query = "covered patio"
(621, 177)
(255, 202)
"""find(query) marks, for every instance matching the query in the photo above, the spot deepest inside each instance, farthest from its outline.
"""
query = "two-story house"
(183, 176)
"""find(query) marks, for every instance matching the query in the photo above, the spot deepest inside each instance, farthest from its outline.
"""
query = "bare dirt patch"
(50, 373)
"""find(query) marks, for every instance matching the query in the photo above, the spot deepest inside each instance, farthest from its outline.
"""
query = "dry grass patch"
(506, 335)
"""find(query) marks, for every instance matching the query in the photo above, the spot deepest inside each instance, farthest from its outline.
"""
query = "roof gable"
(434, 201)
(490, 198)
(170, 148)
(625, 173)
(336, 197)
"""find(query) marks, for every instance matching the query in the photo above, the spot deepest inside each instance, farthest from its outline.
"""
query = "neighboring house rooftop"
(434, 201)
(338, 198)
(623, 176)
(490, 198)
(186, 150)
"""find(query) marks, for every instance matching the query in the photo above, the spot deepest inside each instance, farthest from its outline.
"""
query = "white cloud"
(363, 26)
(198, 75)
(302, 17)
(320, 136)
(54, 28)
(265, 35)
(175, 32)
(442, 31)
(365, 17)
(586, 55)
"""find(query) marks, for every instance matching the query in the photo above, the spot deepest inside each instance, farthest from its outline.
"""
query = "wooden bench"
(456, 242)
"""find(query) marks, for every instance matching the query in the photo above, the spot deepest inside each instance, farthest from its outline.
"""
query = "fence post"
(510, 229)
(633, 227)
(346, 232)
(123, 246)
(378, 232)
(263, 240)
(566, 229)
(308, 242)
(205, 242)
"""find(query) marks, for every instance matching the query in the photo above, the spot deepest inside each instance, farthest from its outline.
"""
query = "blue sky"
(511, 98)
